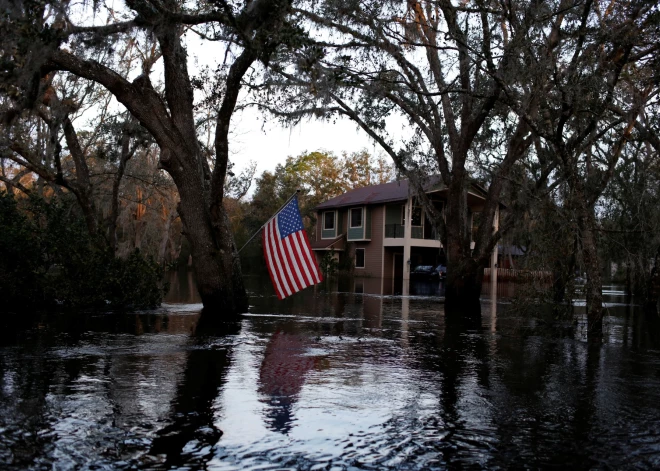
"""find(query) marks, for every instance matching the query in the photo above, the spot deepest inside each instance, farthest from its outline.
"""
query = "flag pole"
(259, 230)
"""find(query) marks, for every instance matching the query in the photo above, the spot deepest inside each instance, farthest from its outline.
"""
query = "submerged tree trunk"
(593, 288)
(464, 274)
(563, 270)
(653, 290)
(165, 238)
(212, 248)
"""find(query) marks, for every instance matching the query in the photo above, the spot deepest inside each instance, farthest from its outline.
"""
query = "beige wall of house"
(381, 253)
(373, 250)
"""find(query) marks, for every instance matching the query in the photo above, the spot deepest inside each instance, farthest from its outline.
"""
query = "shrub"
(328, 263)
(47, 258)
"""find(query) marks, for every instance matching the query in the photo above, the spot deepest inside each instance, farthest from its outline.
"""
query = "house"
(383, 230)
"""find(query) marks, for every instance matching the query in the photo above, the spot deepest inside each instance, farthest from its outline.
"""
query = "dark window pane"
(356, 217)
(416, 217)
(329, 221)
(359, 258)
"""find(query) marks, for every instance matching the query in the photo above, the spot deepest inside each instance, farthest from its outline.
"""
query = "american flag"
(289, 256)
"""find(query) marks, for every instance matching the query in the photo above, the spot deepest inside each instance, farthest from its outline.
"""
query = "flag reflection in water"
(282, 375)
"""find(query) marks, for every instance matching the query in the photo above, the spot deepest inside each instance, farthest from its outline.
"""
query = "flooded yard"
(337, 377)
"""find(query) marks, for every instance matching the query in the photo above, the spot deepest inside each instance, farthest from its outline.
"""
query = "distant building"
(383, 230)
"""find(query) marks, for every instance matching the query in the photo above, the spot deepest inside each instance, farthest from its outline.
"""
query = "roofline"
(323, 206)
(356, 204)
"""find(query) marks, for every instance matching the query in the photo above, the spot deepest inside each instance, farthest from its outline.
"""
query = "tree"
(631, 218)
(44, 39)
(468, 78)
(443, 68)
(605, 60)
(319, 176)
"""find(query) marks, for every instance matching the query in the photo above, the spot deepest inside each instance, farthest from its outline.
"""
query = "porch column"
(496, 227)
(407, 237)
(493, 276)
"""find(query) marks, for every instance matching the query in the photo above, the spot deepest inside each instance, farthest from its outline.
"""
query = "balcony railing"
(394, 231)
(397, 231)
(426, 233)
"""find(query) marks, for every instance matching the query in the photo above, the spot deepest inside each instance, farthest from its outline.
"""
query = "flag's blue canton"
(289, 220)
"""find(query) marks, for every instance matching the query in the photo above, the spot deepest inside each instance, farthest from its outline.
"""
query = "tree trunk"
(215, 260)
(653, 290)
(593, 288)
(164, 240)
(559, 282)
(563, 271)
(126, 154)
(464, 275)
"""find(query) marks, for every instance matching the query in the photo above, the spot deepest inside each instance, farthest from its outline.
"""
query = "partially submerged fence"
(515, 274)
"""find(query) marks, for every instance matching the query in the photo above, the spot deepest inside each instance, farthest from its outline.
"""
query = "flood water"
(337, 377)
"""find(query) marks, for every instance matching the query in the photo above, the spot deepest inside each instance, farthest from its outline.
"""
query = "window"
(356, 217)
(416, 216)
(359, 258)
(403, 214)
(329, 221)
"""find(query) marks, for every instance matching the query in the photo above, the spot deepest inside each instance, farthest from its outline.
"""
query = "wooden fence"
(514, 274)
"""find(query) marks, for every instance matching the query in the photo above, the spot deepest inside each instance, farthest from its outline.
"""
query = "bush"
(329, 264)
(47, 258)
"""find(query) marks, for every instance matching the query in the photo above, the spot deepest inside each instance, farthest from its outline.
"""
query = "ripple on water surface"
(328, 381)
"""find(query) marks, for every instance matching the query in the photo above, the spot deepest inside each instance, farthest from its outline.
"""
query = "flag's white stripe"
(296, 243)
(280, 261)
(285, 262)
(271, 263)
(307, 256)
(305, 247)
(273, 242)
(292, 257)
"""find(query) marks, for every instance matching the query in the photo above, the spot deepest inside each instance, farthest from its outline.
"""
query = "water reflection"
(343, 375)
(287, 360)
(190, 431)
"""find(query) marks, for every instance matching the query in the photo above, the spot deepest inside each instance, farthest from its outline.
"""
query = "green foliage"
(20, 256)
(329, 264)
(320, 176)
(48, 259)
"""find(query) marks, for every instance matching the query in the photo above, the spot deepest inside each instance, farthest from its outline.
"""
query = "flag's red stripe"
(276, 264)
(293, 253)
(305, 255)
(293, 263)
(264, 244)
(278, 259)
(317, 270)
(269, 263)
(311, 259)
(284, 261)
(299, 256)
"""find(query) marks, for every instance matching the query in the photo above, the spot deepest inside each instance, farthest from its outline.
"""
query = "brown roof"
(386, 192)
(325, 244)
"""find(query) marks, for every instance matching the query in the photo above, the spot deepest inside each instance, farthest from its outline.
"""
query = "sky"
(270, 144)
